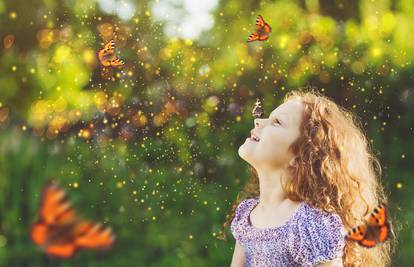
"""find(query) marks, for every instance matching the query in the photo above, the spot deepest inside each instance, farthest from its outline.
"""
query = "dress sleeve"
(236, 224)
(316, 238)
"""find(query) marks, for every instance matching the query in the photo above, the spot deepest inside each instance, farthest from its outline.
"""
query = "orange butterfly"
(107, 56)
(375, 230)
(60, 233)
(262, 31)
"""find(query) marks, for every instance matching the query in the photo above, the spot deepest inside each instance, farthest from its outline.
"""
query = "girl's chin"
(246, 149)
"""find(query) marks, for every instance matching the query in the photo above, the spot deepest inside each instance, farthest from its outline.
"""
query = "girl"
(312, 179)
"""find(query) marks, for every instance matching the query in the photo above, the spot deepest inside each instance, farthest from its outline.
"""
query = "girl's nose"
(256, 123)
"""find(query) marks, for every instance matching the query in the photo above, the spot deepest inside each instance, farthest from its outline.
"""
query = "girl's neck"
(271, 192)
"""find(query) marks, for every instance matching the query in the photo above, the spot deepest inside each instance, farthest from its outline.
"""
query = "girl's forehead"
(289, 107)
(291, 111)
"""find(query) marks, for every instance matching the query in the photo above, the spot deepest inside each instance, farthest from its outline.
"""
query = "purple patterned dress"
(310, 237)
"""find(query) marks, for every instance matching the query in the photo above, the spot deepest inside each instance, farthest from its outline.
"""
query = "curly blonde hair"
(334, 170)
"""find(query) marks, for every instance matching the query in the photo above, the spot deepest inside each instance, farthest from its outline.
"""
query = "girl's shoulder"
(243, 207)
(319, 223)
(247, 202)
(239, 226)
(316, 236)
(317, 215)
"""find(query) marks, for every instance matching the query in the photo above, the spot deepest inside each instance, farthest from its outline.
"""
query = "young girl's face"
(275, 134)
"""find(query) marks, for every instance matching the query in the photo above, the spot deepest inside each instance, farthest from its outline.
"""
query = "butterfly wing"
(378, 220)
(82, 235)
(93, 236)
(39, 233)
(360, 234)
(357, 233)
(384, 232)
(370, 238)
(368, 242)
(116, 62)
(107, 49)
(262, 30)
(257, 111)
(259, 22)
(263, 37)
(55, 209)
(267, 28)
(106, 54)
(56, 215)
(64, 251)
(110, 46)
(253, 37)
(379, 215)
(106, 63)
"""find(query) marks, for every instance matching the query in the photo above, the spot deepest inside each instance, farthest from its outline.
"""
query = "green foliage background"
(163, 180)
